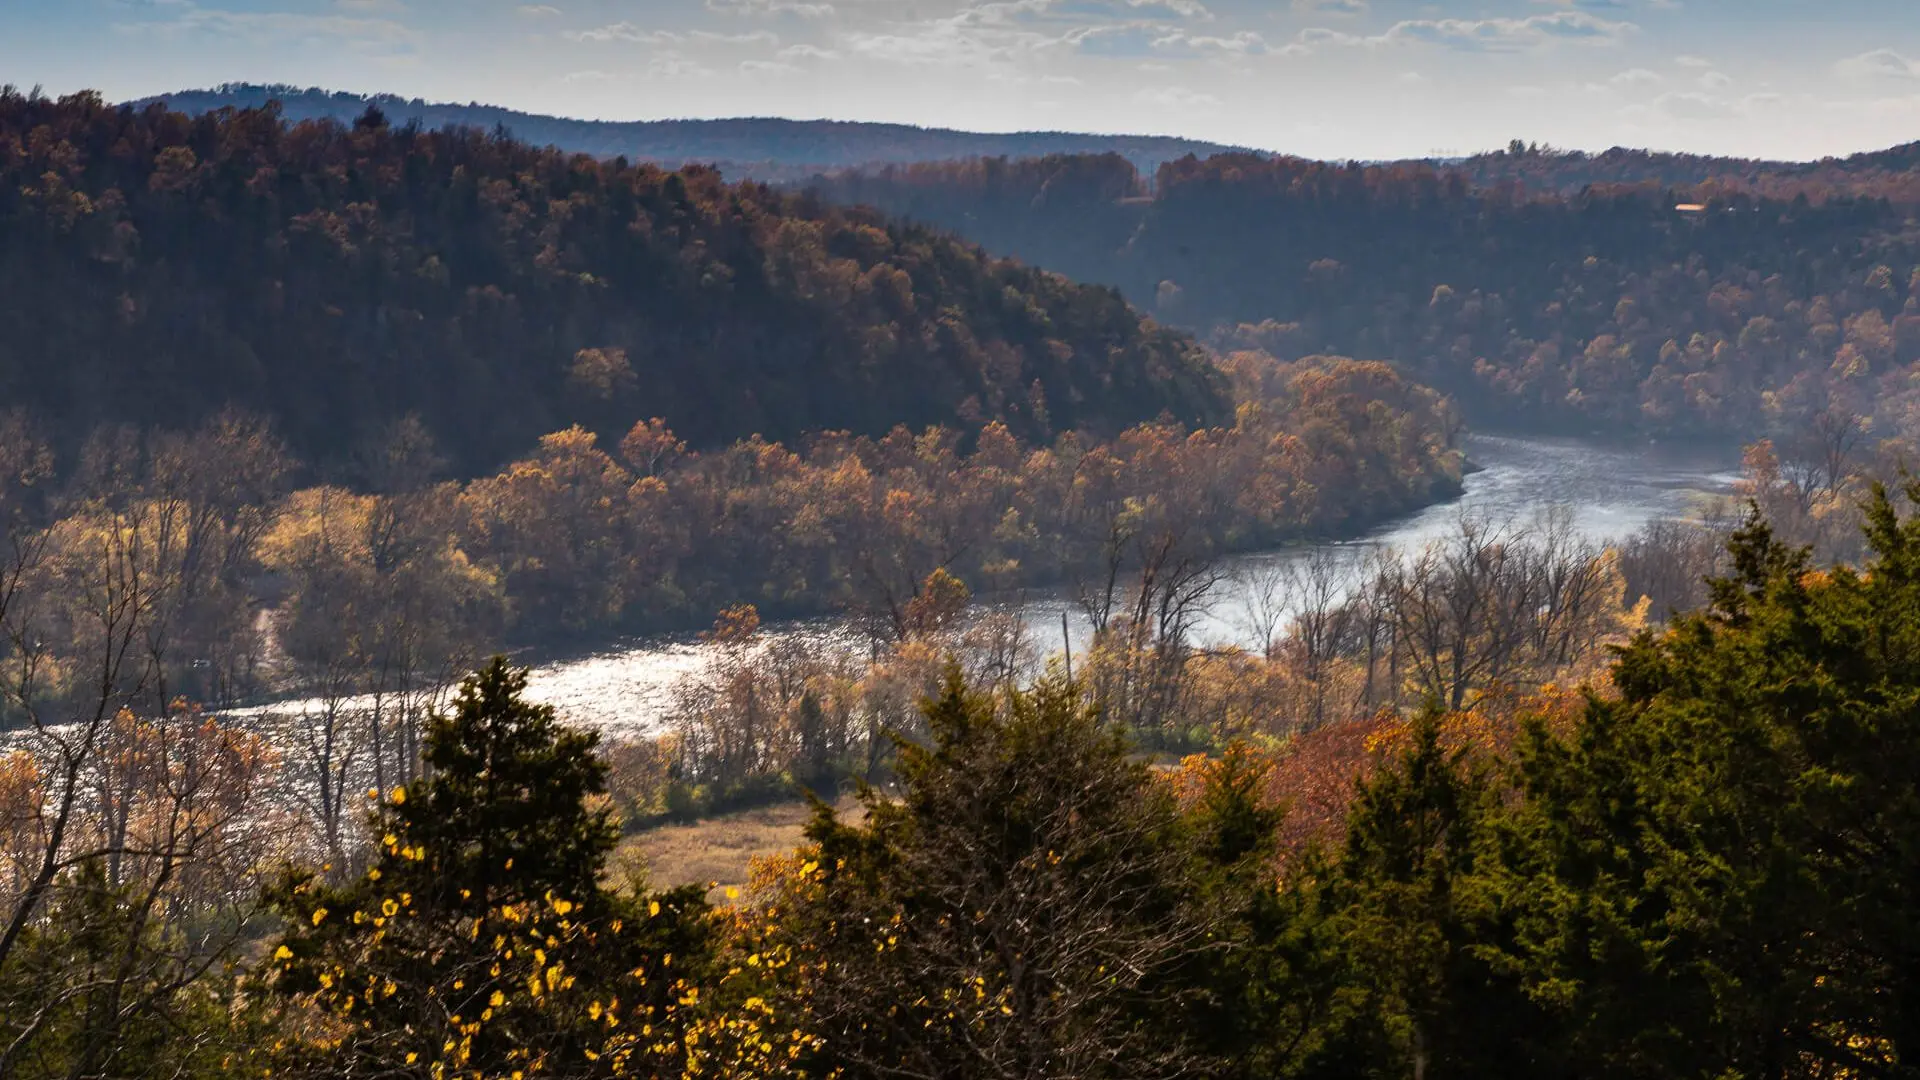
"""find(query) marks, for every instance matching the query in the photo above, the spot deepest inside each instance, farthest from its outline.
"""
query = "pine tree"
(482, 940)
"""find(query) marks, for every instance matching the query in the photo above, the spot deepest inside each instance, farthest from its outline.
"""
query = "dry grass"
(719, 850)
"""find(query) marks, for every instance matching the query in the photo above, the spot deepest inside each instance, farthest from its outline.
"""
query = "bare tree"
(1321, 620)
(1264, 601)
(1668, 563)
(142, 815)
(1138, 669)
(75, 625)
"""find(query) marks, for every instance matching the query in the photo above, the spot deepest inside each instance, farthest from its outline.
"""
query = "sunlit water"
(1611, 492)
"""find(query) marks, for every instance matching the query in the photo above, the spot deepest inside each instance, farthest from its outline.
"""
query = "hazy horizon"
(1321, 78)
(1117, 133)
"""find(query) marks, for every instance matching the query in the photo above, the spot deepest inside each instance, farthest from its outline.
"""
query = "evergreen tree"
(510, 810)
(1023, 908)
(1406, 906)
(1274, 995)
(481, 941)
(1715, 875)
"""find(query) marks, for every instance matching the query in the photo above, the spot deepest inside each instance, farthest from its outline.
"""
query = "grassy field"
(719, 850)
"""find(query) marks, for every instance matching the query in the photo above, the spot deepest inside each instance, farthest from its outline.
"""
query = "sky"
(1796, 79)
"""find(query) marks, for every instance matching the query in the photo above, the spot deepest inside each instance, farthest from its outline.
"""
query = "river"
(1611, 490)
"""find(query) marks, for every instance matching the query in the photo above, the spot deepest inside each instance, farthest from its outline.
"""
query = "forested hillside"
(1890, 173)
(1705, 311)
(159, 267)
(760, 148)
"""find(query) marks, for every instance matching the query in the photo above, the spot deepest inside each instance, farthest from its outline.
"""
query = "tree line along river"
(1610, 491)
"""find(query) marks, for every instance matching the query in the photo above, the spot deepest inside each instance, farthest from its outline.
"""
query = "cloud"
(1244, 43)
(1138, 40)
(538, 11)
(1176, 97)
(1004, 33)
(371, 6)
(1693, 61)
(804, 51)
(1479, 35)
(1880, 65)
(1170, 9)
(1512, 35)
(1613, 5)
(1066, 11)
(1714, 80)
(365, 33)
(1331, 7)
(626, 31)
(1630, 79)
(622, 31)
(805, 9)
(1313, 37)
(1692, 106)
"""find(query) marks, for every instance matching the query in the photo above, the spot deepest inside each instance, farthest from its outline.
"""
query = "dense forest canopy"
(159, 267)
(1709, 310)
(760, 148)
(1545, 168)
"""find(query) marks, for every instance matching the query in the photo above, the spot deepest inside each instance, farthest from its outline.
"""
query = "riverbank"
(1611, 491)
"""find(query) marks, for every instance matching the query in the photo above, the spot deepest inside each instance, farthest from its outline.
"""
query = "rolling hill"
(160, 266)
(758, 148)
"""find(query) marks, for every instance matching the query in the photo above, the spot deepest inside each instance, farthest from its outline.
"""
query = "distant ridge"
(758, 148)
(1570, 171)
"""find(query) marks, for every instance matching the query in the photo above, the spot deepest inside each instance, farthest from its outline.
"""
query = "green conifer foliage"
(482, 941)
